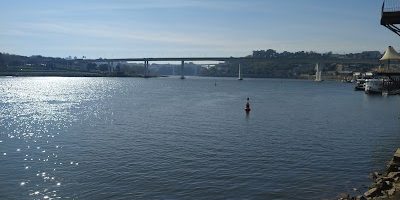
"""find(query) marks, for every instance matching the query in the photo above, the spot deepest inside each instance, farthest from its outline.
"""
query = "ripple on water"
(208, 139)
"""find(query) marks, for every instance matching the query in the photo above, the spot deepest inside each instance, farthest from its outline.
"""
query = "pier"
(391, 86)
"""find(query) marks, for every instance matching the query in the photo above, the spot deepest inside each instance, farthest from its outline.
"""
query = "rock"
(393, 166)
(378, 184)
(373, 192)
(393, 175)
(384, 196)
(391, 191)
(387, 179)
(386, 185)
(376, 175)
(360, 197)
(344, 196)
(396, 157)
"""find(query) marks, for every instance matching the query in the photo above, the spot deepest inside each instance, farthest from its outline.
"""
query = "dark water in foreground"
(122, 138)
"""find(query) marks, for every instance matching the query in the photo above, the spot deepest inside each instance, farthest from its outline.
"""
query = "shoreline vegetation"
(61, 74)
(295, 65)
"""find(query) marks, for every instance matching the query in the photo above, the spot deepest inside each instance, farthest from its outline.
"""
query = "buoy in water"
(247, 108)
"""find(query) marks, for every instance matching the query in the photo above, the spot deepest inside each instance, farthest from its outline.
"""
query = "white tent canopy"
(391, 54)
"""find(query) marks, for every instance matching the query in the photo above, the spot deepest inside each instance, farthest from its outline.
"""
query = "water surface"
(126, 138)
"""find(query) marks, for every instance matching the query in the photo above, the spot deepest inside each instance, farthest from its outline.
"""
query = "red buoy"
(247, 109)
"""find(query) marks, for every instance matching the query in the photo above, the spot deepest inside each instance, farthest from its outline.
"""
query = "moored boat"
(374, 86)
(360, 84)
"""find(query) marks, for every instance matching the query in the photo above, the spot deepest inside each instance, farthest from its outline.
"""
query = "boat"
(361, 79)
(240, 78)
(374, 86)
(247, 110)
(360, 84)
(318, 73)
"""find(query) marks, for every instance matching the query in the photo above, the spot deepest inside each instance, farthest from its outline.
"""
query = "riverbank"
(385, 185)
(66, 74)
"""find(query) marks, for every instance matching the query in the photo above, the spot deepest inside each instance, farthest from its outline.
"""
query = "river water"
(165, 138)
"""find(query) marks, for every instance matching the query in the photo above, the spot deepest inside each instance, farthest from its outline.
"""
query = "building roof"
(391, 54)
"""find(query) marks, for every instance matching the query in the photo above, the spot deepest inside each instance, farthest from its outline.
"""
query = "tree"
(270, 53)
(16, 63)
(103, 67)
(91, 66)
(2, 63)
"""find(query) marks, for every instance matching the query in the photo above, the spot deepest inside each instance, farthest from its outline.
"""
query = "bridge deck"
(227, 59)
(173, 59)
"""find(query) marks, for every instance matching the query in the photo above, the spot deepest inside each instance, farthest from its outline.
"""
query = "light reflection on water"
(34, 111)
(102, 138)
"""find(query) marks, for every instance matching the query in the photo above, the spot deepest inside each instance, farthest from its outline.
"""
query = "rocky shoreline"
(385, 186)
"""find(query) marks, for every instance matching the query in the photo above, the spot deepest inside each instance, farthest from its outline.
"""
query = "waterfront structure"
(391, 83)
(390, 54)
(384, 81)
(391, 15)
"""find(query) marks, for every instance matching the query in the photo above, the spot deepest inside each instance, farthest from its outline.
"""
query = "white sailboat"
(240, 78)
(318, 73)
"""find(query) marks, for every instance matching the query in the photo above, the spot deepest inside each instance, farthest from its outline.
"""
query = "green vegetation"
(16, 65)
(296, 65)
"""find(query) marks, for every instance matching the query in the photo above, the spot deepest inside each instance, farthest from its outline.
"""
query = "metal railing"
(391, 85)
(391, 6)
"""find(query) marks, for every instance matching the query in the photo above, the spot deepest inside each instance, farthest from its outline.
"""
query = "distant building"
(371, 54)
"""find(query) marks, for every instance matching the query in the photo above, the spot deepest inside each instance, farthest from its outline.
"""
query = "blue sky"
(166, 28)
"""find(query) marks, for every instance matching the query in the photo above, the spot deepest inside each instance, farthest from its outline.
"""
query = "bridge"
(230, 59)
(179, 59)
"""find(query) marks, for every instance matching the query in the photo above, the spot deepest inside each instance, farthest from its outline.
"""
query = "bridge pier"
(146, 68)
(182, 69)
(109, 67)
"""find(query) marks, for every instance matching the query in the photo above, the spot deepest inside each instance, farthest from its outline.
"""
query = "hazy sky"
(165, 28)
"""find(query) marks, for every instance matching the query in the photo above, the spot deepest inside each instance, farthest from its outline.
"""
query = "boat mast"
(240, 73)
